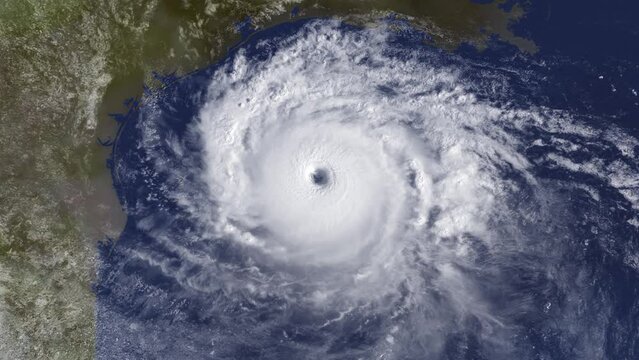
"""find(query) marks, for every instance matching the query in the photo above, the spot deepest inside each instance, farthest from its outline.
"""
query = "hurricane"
(329, 191)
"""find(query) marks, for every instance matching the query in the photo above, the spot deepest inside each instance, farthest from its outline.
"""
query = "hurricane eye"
(319, 177)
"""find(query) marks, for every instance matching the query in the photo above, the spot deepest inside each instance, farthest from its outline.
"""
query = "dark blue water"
(588, 64)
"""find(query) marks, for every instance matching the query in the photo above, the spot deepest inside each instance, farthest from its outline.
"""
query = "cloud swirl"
(375, 187)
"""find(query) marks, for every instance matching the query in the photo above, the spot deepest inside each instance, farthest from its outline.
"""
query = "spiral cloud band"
(335, 183)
